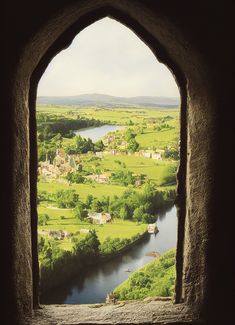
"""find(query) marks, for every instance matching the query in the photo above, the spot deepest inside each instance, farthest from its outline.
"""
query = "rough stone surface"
(155, 312)
(195, 41)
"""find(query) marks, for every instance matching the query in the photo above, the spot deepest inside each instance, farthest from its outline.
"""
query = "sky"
(107, 58)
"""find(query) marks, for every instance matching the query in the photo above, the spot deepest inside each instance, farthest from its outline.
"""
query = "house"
(147, 154)
(99, 154)
(157, 155)
(84, 231)
(152, 228)
(99, 218)
(59, 234)
(62, 164)
(102, 179)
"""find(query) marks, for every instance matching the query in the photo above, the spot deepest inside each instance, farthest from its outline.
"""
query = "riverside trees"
(131, 205)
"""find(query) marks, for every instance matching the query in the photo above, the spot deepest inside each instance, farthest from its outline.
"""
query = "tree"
(83, 145)
(133, 145)
(43, 219)
(79, 143)
(66, 198)
(148, 218)
(138, 213)
(96, 206)
(171, 153)
(75, 178)
(80, 212)
(46, 133)
(71, 149)
(88, 145)
(92, 241)
(89, 200)
(99, 146)
(125, 212)
(129, 134)
(56, 141)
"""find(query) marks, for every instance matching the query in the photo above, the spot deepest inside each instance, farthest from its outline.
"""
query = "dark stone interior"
(194, 39)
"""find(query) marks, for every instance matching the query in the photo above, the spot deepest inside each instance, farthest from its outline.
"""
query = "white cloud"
(107, 57)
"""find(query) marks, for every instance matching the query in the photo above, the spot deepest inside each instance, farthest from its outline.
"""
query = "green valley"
(98, 193)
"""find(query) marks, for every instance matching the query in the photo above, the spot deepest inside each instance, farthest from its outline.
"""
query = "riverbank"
(157, 278)
(97, 133)
(108, 257)
(93, 285)
(57, 276)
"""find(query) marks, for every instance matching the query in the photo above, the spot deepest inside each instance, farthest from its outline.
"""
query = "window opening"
(107, 163)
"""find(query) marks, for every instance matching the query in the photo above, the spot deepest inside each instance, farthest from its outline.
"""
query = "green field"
(154, 170)
(146, 118)
(145, 122)
(97, 190)
(114, 115)
(159, 139)
(117, 228)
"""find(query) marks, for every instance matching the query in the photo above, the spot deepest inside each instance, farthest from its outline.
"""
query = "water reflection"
(97, 133)
(93, 285)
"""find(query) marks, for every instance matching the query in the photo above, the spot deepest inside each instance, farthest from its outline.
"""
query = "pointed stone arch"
(160, 31)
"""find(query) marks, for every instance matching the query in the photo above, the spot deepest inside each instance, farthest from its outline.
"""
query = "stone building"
(195, 40)
(61, 165)
(99, 217)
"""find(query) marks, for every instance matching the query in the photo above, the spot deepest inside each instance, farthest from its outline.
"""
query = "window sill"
(153, 312)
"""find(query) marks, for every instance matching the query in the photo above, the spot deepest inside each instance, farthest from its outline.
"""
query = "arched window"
(182, 39)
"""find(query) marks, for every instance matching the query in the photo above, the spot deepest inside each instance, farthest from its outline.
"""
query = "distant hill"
(109, 101)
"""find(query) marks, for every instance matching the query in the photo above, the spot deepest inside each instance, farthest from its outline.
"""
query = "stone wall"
(194, 40)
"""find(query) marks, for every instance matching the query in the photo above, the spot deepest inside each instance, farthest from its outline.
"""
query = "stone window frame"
(161, 55)
(181, 172)
(171, 48)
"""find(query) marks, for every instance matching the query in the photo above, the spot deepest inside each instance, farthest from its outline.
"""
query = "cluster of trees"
(57, 265)
(125, 177)
(43, 219)
(141, 207)
(112, 245)
(75, 177)
(132, 144)
(83, 145)
(66, 198)
(121, 176)
(170, 176)
(155, 279)
(52, 128)
(47, 148)
(132, 205)
(171, 153)
(44, 196)
(50, 125)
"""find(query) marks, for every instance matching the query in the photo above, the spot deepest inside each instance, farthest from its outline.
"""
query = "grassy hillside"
(114, 115)
(157, 278)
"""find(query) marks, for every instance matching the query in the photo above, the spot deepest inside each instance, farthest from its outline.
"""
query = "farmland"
(154, 129)
(127, 175)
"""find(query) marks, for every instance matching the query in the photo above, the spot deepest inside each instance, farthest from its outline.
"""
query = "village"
(64, 163)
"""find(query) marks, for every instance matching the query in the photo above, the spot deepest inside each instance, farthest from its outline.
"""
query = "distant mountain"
(109, 101)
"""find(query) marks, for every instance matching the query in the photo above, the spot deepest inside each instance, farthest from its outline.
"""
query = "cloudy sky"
(107, 58)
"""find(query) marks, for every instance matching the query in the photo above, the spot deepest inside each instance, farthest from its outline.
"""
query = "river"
(93, 286)
(98, 132)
